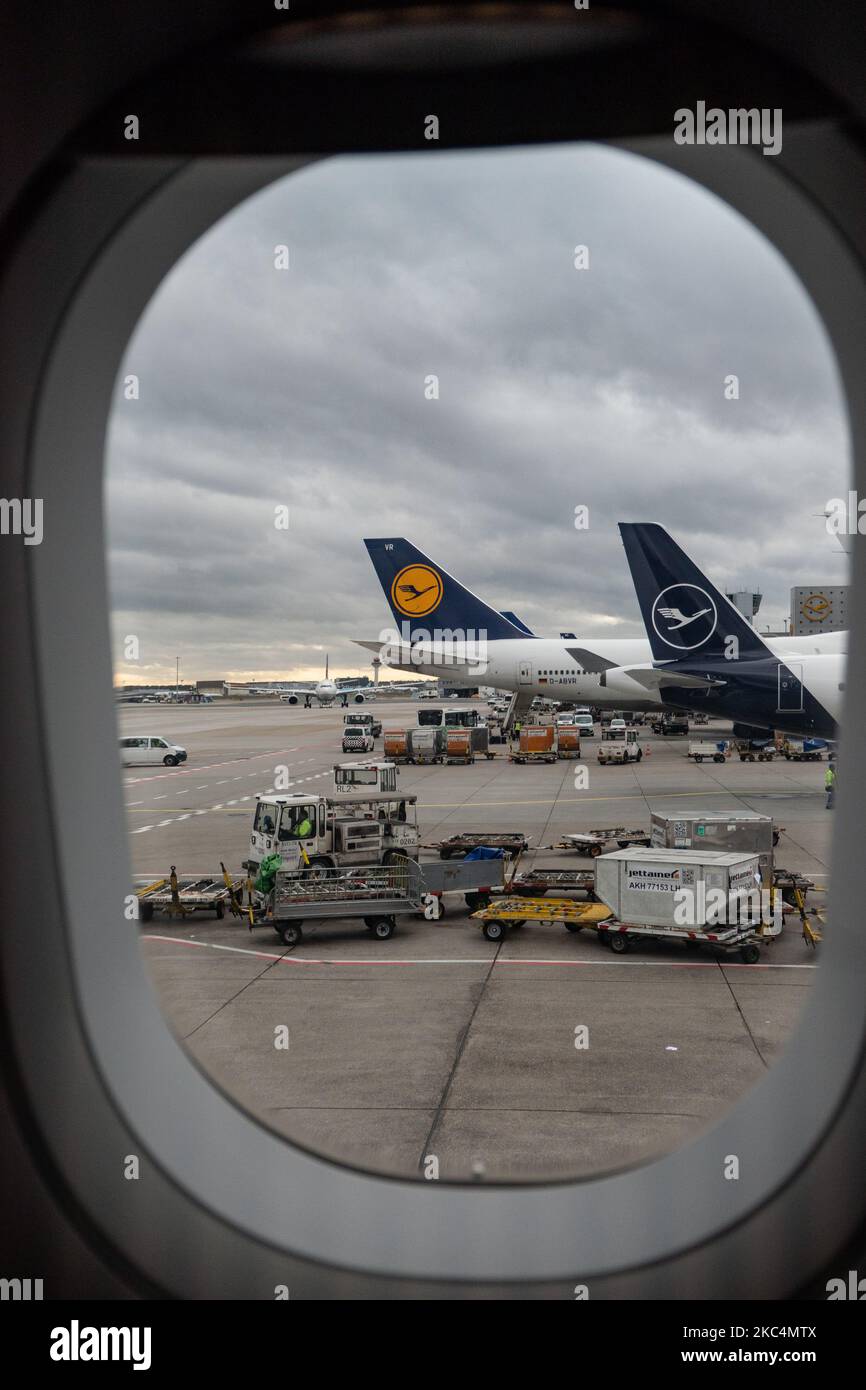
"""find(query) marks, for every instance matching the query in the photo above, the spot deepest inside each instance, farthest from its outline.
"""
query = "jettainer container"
(643, 885)
(717, 830)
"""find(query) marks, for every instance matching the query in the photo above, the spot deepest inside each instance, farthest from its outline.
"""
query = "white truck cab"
(309, 831)
(372, 776)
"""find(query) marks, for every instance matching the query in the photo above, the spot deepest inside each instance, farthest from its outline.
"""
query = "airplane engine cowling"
(293, 699)
(359, 699)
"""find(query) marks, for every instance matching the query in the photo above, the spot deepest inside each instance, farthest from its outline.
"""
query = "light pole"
(176, 678)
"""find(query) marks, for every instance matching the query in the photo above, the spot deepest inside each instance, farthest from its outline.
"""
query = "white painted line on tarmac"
(469, 960)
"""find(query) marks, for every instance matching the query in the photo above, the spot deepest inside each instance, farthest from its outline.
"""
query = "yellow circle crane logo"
(816, 607)
(416, 590)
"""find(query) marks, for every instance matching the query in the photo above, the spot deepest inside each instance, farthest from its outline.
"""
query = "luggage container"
(720, 830)
(537, 744)
(395, 745)
(568, 741)
(458, 746)
(644, 887)
(427, 745)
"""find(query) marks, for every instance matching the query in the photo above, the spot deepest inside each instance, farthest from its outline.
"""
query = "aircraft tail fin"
(685, 616)
(513, 618)
(427, 599)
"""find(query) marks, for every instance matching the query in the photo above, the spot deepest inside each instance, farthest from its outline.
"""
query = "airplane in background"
(445, 630)
(695, 633)
(326, 692)
(472, 640)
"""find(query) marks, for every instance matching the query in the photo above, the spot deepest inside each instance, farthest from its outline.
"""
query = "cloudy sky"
(602, 387)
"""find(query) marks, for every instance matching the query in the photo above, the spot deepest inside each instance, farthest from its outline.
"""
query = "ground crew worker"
(830, 786)
(304, 828)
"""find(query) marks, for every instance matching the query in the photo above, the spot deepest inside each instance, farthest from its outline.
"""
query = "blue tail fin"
(513, 618)
(424, 598)
(685, 616)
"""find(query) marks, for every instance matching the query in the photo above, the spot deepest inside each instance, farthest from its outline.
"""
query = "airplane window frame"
(701, 1236)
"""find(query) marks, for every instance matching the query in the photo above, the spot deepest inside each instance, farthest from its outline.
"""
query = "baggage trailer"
(536, 882)
(703, 748)
(374, 892)
(645, 890)
(537, 744)
(803, 750)
(181, 897)
(750, 750)
(513, 842)
(514, 912)
(594, 842)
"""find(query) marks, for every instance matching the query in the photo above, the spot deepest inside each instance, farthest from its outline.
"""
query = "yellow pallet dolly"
(514, 912)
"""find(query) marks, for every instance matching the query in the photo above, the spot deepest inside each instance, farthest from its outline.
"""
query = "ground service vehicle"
(326, 832)
(362, 721)
(358, 740)
(671, 724)
(372, 776)
(147, 749)
(625, 749)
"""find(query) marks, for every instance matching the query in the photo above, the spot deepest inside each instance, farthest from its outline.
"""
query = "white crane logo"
(677, 608)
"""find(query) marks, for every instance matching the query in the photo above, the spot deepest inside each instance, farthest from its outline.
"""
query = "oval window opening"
(371, 448)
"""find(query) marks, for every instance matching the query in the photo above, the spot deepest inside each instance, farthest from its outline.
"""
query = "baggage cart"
(701, 749)
(513, 842)
(458, 746)
(376, 893)
(182, 896)
(593, 842)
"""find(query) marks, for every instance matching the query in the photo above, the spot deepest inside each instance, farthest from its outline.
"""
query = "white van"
(148, 749)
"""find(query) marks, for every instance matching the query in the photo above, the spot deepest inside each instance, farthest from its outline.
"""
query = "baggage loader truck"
(313, 833)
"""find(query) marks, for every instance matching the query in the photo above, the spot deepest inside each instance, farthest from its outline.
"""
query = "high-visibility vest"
(829, 778)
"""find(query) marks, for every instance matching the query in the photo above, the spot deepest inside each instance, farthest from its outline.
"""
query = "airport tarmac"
(438, 1042)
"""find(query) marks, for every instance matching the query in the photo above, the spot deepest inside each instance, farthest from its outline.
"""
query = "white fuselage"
(590, 671)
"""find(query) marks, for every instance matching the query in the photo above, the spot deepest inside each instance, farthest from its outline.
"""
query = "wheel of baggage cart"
(476, 901)
(220, 909)
(145, 912)
(574, 926)
(718, 757)
(618, 942)
(289, 933)
(445, 852)
(750, 954)
(494, 930)
(699, 757)
(595, 850)
(623, 844)
(382, 928)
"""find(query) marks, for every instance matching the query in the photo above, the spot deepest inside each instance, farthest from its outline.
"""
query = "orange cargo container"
(537, 744)
(568, 738)
(459, 746)
(395, 744)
